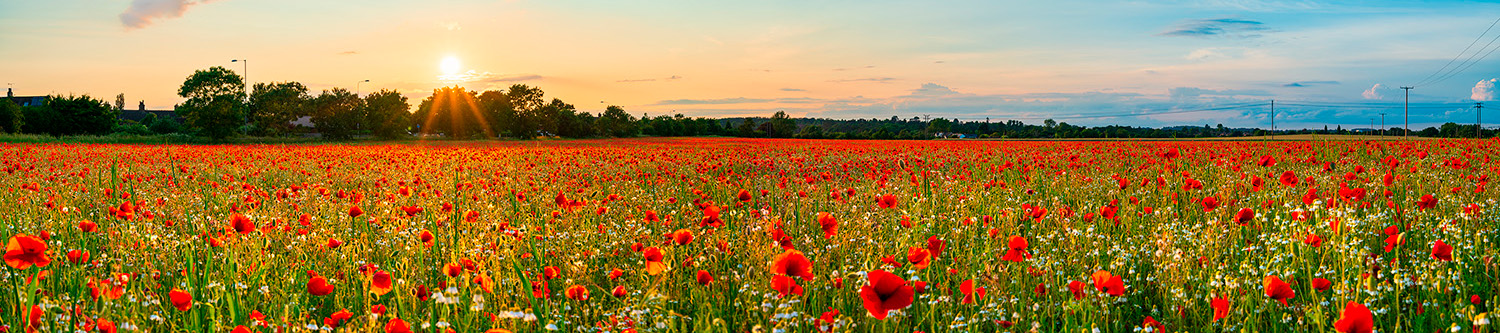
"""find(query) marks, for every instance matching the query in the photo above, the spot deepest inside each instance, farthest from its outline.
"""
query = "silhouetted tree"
(387, 114)
(10, 117)
(454, 112)
(615, 122)
(337, 113)
(215, 102)
(273, 107)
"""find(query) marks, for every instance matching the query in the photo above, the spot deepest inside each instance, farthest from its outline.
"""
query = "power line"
(1462, 66)
(1460, 53)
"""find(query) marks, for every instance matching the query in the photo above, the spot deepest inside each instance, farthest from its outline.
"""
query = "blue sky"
(1026, 60)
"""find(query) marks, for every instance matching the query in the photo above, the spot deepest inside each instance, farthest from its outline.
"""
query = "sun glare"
(449, 65)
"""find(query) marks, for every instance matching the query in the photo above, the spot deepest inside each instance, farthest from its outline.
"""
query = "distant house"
(141, 114)
(24, 100)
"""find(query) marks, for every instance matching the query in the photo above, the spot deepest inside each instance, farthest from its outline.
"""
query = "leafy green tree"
(165, 126)
(10, 117)
(453, 112)
(387, 114)
(939, 125)
(273, 107)
(747, 128)
(72, 115)
(215, 102)
(496, 106)
(782, 126)
(337, 113)
(615, 122)
(527, 102)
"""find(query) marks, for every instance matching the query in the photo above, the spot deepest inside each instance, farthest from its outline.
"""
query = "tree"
(1049, 123)
(273, 107)
(70, 115)
(10, 117)
(939, 125)
(215, 102)
(615, 122)
(387, 114)
(527, 102)
(120, 102)
(453, 112)
(747, 128)
(782, 126)
(496, 106)
(337, 113)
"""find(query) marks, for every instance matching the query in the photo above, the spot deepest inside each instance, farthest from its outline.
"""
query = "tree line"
(217, 106)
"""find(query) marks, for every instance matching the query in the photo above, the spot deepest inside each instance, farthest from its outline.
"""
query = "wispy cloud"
(143, 13)
(1218, 28)
(1300, 84)
(852, 68)
(669, 78)
(793, 89)
(473, 76)
(348, 53)
(868, 79)
(736, 100)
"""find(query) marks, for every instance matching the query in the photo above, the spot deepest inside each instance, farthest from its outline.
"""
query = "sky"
(1137, 63)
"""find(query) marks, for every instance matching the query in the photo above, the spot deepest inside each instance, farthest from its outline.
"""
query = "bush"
(165, 126)
(133, 129)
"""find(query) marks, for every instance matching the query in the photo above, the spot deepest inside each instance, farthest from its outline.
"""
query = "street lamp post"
(245, 74)
(356, 86)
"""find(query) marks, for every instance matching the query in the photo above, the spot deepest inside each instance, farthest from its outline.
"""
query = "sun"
(449, 65)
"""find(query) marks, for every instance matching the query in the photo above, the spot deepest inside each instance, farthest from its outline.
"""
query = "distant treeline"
(217, 107)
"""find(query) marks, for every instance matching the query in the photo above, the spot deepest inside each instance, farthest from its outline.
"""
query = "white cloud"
(1375, 92)
(1483, 91)
(142, 13)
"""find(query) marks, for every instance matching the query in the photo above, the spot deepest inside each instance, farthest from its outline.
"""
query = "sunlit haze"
(1025, 60)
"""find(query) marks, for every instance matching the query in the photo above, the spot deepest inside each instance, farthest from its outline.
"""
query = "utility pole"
(1273, 119)
(1478, 123)
(1382, 124)
(1406, 107)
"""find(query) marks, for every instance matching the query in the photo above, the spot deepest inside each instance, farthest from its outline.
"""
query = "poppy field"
(752, 235)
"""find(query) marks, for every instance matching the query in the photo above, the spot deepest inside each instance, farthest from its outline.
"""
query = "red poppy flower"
(971, 293)
(743, 195)
(829, 224)
(1209, 204)
(1076, 287)
(886, 201)
(1278, 290)
(1356, 318)
(1313, 240)
(619, 292)
(1244, 216)
(1442, 251)
(87, 226)
(24, 251)
(654, 263)
(1427, 201)
(1321, 284)
(935, 246)
(792, 263)
(1016, 249)
(380, 283)
(885, 292)
(703, 277)
(550, 272)
(426, 238)
(1221, 307)
(1288, 178)
(181, 300)
(577, 293)
(1108, 283)
(355, 211)
(682, 237)
(919, 258)
(785, 285)
(317, 285)
(396, 325)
